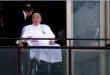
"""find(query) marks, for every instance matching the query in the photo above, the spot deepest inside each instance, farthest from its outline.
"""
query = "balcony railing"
(70, 49)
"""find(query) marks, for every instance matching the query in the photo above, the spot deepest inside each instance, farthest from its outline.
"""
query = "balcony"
(76, 59)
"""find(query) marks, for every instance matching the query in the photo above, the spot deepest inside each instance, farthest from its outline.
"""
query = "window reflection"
(86, 63)
(86, 22)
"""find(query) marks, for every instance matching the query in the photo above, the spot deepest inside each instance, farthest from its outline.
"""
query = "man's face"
(36, 19)
(29, 13)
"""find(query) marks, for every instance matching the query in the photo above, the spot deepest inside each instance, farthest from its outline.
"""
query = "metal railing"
(69, 47)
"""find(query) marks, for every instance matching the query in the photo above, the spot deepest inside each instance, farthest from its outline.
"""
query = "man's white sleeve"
(25, 33)
(49, 32)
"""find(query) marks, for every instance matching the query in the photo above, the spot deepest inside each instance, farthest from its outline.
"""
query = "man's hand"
(21, 45)
(34, 40)
(22, 49)
(51, 42)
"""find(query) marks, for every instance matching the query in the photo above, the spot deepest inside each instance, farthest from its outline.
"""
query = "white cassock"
(41, 31)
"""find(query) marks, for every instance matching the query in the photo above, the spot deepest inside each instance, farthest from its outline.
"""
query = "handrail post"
(69, 57)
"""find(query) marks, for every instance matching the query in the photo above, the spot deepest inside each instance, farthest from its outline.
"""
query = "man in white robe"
(48, 57)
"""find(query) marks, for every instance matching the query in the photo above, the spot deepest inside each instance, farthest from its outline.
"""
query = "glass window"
(86, 63)
(108, 63)
(86, 22)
